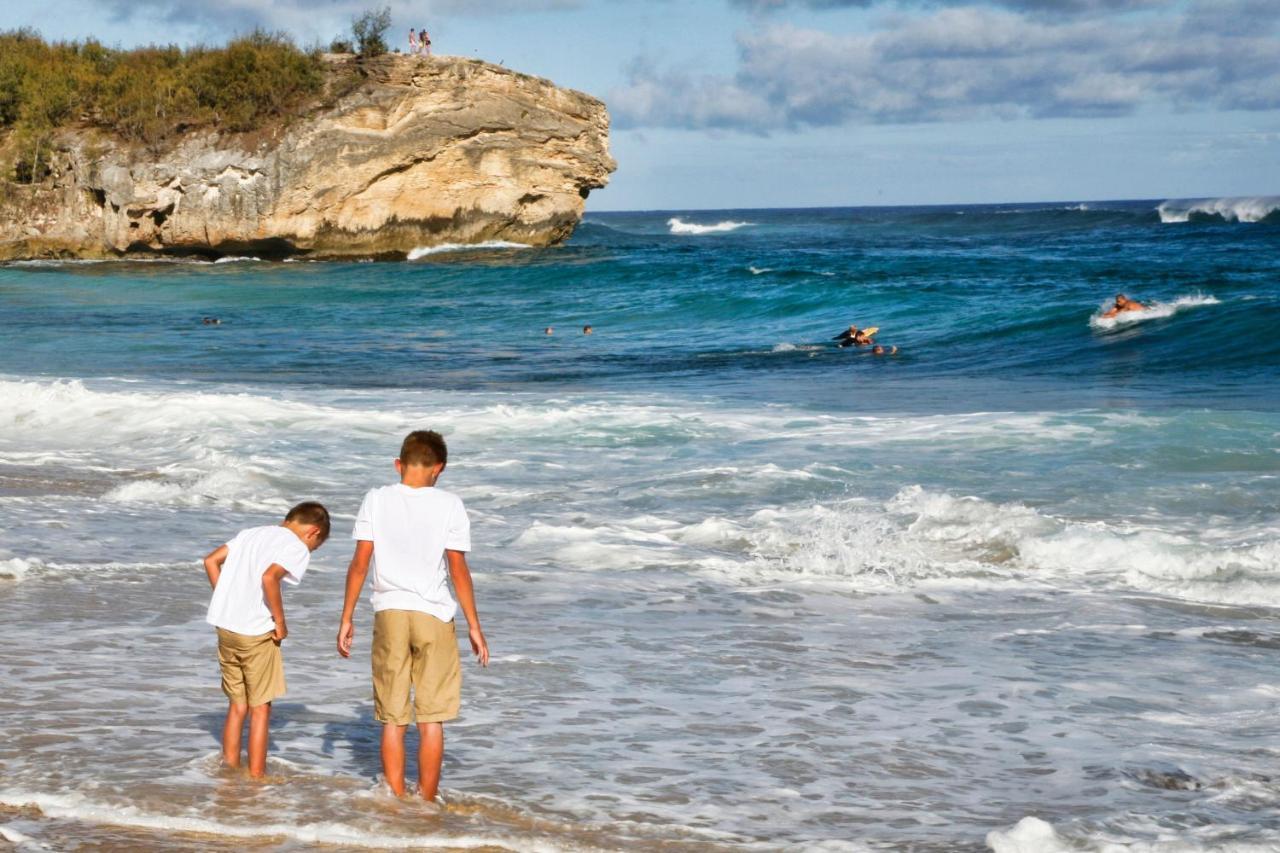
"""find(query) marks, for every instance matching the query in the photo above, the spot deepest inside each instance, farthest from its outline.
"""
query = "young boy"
(248, 612)
(412, 531)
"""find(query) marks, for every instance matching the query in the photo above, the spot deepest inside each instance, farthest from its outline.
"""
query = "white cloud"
(971, 62)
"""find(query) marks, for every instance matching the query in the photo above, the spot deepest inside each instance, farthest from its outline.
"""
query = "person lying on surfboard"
(853, 336)
(1123, 304)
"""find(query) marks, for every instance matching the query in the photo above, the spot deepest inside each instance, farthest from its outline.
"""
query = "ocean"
(1015, 587)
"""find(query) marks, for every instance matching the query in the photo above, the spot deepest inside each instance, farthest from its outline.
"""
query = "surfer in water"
(855, 337)
(1123, 305)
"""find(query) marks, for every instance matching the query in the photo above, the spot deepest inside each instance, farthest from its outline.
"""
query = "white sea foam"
(1033, 835)
(53, 262)
(679, 226)
(927, 537)
(486, 245)
(178, 447)
(237, 259)
(759, 270)
(229, 482)
(20, 840)
(1030, 835)
(1153, 311)
(61, 411)
(1240, 209)
(79, 808)
(15, 569)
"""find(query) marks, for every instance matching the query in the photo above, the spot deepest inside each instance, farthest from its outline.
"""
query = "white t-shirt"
(238, 602)
(410, 530)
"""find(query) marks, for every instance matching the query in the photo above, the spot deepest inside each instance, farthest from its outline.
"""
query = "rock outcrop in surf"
(421, 151)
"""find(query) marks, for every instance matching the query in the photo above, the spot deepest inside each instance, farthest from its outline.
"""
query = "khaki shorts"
(252, 668)
(412, 648)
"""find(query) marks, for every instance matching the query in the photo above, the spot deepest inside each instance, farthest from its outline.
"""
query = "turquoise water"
(743, 587)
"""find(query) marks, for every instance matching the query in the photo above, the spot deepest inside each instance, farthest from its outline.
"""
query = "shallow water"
(743, 589)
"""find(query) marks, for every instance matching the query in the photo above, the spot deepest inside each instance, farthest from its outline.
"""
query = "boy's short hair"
(424, 447)
(311, 512)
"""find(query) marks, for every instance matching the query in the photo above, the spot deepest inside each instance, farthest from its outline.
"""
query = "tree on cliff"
(369, 30)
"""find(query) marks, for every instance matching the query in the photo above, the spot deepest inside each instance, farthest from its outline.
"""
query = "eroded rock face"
(427, 150)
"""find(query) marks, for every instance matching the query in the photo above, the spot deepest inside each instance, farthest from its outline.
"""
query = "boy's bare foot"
(433, 804)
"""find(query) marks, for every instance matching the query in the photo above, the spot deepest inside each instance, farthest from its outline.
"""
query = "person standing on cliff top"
(425, 41)
(413, 41)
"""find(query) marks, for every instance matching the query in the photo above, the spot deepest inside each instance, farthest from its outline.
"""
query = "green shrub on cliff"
(148, 94)
(145, 95)
(370, 29)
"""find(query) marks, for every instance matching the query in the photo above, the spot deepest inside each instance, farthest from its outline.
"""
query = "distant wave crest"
(1153, 311)
(423, 251)
(1243, 209)
(679, 226)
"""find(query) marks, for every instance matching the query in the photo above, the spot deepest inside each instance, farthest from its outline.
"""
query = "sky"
(806, 103)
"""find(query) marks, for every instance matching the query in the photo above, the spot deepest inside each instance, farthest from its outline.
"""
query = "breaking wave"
(1154, 311)
(486, 245)
(679, 226)
(1243, 209)
(922, 537)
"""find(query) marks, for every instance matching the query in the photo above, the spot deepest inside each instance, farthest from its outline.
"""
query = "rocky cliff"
(418, 151)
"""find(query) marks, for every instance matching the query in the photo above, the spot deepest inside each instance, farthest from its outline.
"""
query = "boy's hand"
(346, 633)
(479, 646)
(281, 631)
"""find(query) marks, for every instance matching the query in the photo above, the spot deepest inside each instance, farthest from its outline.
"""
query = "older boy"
(248, 611)
(412, 531)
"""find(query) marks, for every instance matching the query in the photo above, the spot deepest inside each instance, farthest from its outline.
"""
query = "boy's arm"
(213, 564)
(461, 576)
(356, 573)
(275, 602)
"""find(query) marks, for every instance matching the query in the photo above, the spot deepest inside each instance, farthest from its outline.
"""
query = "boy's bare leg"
(393, 756)
(259, 731)
(231, 734)
(430, 756)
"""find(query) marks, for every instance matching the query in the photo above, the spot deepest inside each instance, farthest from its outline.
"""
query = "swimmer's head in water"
(586, 330)
(879, 350)
(548, 330)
